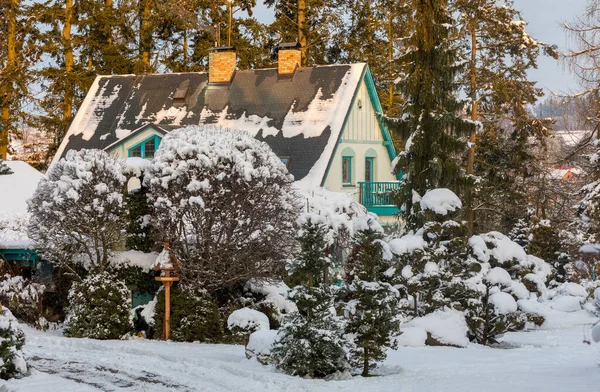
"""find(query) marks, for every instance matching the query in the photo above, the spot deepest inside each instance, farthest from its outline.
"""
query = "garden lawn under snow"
(550, 359)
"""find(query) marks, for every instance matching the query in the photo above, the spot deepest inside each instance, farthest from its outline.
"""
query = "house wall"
(362, 136)
(120, 151)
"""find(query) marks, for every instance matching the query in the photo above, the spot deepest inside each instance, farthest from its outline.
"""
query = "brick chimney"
(221, 64)
(288, 58)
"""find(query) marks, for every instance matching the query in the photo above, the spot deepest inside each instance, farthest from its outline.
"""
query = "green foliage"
(99, 308)
(136, 279)
(371, 305)
(372, 321)
(194, 316)
(431, 123)
(312, 343)
(544, 241)
(140, 233)
(313, 262)
(12, 339)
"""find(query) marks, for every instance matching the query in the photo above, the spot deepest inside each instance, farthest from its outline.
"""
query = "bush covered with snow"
(23, 298)
(12, 339)
(79, 208)
(259, 345)
(443, 327)
(194, 316)
(226, 202)
(244, 321)
(99, 308)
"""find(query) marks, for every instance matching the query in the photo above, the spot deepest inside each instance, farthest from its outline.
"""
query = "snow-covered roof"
(300, 116)
(15, 189)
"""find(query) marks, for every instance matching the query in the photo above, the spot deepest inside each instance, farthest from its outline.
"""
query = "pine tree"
(495, 311)
(499, 52)
(431, 125)
(12, 339)
(313, 262)
(377, 25)
(311, 343)
(371, 306)
(433, 274)
(310, 23)
(17, 56)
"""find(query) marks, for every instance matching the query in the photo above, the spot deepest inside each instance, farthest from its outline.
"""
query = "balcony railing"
(377, 194)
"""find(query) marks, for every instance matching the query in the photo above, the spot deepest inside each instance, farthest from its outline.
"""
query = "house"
(321, 121)
(16, 249)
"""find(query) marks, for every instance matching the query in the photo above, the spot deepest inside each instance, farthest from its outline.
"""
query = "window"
(286, 161)
(150, 148)
(145, 149)
(136, 152)
(369, 169)
(347, 170)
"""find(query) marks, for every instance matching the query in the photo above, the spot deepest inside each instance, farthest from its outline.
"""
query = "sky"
(544, 19)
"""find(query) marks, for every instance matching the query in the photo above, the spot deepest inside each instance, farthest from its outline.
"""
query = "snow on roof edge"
(76, 123)
(316, 175)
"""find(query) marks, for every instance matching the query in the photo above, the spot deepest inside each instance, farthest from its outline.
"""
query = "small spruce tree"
(371, 308)
(311, 343)
(12, 339)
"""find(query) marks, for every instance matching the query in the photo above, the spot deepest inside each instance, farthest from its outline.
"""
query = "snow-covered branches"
(79, 208)
(226, 202)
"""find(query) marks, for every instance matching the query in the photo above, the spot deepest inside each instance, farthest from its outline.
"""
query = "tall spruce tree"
(432, 125)
(499, 52)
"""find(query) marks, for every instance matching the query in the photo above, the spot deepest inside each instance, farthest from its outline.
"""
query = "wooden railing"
(374, 194)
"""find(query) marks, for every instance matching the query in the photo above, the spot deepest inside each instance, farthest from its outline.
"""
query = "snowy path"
(552, 359)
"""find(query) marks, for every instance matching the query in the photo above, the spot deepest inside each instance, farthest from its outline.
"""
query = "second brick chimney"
(221, 64)
(288, 58)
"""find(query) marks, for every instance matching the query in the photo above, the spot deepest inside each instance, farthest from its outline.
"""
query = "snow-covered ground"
(551, 359)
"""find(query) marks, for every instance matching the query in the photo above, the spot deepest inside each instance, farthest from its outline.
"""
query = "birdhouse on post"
(167, 264)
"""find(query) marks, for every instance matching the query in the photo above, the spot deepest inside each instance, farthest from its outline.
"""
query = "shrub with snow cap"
(245, 321)
(12, 339)
(99, 308)
(79, 208)
(226, 202)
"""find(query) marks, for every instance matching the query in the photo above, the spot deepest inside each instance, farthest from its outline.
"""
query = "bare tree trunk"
(302, 40)
(145, 35)
(470, 216)
(390, 59)
(69, 63)
(11, 62)
(365, 371)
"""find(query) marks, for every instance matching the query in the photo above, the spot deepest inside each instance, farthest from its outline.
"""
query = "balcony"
(375, 196)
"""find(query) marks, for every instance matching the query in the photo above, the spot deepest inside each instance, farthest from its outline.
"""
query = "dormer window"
(145, 149)
(181, 93)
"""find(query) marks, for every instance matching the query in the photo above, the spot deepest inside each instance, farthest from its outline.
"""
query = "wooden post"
(167, 278)
(167, 309)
